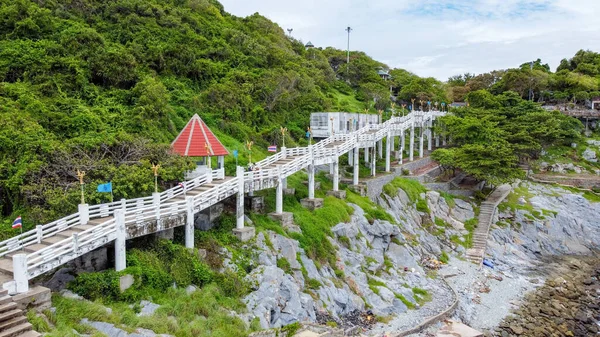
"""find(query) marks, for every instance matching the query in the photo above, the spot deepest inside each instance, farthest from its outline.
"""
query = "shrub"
(444, 258)
(97, 285)
(422, 206)
(232, 285)
(283, 264)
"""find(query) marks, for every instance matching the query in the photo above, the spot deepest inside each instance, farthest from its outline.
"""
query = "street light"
(80, 175)
(155, 170)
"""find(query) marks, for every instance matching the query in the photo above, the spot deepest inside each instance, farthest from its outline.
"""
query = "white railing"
(100, 211)
(141, 211)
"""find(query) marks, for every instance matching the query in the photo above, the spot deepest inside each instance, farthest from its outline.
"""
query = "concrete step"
(3, 292)
(34, 248)
(6, 265)
(14, 321)
(17, 330)
(81, 228)
(52, 240)
(31, 334)
(98, 221)
(5, 299)
(6, 308)
(68, 233)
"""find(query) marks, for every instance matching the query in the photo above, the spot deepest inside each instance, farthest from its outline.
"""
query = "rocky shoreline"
(566, 305)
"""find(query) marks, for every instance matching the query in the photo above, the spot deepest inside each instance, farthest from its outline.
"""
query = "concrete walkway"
(486, 214)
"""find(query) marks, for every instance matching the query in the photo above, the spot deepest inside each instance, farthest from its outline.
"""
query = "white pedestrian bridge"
(49, 246)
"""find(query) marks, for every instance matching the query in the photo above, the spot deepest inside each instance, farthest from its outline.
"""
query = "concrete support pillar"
(350, 157)
(220, 162)
(284, 183)
(388, 144)
(412, 142)
(239, 224)
(392, 140)
(121, 237)
(355, 175)
(20, 273)
(429, 136)
(366, 154)
(421, 141)
(380, 148)
(279, 193)
(311, 181)
(401, 152)
(331, 168)
(336, 174)
(374, 162)
(156, 203)
(189, 222)
(84, 213)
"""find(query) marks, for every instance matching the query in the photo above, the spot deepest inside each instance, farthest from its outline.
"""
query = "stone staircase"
(13, 322)
(486, 215)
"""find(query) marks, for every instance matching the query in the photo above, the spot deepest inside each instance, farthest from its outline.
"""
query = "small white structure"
(322, 123)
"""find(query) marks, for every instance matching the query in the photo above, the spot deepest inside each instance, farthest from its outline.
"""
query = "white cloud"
(440, 38)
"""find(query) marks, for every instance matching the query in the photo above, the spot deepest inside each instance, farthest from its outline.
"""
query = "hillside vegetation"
(105, 86)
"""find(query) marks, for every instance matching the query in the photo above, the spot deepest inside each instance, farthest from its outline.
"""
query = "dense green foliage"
(497, 132)
(575, 79)
(104, 86)
(155, 269)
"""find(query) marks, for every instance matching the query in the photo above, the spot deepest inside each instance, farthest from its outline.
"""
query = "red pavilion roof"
(193, 140)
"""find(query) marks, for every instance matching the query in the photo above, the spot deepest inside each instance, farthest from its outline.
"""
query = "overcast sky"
(440, 38)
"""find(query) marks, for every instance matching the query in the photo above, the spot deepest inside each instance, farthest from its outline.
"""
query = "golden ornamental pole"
(380, 116)
(155, 170)
(283, 131)
(208, 152)
(249, 144)
(80, 175)
(413, 104)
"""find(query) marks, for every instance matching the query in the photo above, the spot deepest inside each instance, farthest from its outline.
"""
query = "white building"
(321, 123)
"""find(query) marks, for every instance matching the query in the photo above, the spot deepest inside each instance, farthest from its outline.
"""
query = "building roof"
(193, 140)
(383, 72)
(309, 45)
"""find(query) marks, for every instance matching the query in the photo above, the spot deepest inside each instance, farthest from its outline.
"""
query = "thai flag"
(17, 223)
(272, 148)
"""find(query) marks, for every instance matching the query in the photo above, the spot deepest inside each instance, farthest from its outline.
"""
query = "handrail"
(139, 211)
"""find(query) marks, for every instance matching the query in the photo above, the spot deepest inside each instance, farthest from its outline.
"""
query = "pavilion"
(198, 141)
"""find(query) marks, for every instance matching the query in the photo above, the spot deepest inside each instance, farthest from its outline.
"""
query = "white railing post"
(421, 140)
(411, 155)
(39, 232)
(84, 214)
(388, 144)
(402, 145)
(20, 274)
(156, 203)
(336, 174)
(429, 134)
(209, 177)
(240, 198)
(75, 243)
(356, 169)
(279, 193)
(283, 152)
(189, 223)
(121, 237)
(124, 204)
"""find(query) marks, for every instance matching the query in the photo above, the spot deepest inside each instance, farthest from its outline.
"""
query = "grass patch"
(444, 258)
(373, 284)
(371, 209)
(412, 188)
(589, 195)
(406, 302)
(283, 264)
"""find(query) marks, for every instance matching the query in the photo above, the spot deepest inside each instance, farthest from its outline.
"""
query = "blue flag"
(105, 188)
(235, 153)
